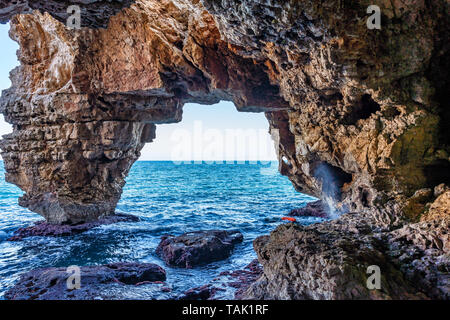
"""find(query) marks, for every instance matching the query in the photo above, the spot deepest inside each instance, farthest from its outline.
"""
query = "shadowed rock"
(44, 229)
(94, 13)
(198, 248)
(312, 209)
(361, 115)
(51, 283)
(206, 292)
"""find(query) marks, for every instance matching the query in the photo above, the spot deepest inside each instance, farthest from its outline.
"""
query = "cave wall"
(361, 113)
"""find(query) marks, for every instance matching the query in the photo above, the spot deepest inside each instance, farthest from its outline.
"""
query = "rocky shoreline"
(197, 248)
(188, 250)
(359, 116)
(45, 229)
(312, 209)
(330, 260)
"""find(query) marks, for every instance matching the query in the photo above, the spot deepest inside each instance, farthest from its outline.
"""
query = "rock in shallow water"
(44, 229)
(330, 260)
(51, 283)
(198, 248)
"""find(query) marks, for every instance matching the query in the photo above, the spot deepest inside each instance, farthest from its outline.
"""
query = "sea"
(169, 198)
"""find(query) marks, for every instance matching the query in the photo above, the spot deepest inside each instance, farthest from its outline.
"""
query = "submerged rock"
(51, 283)
(44, 229)
(312, 209)
(198, 248)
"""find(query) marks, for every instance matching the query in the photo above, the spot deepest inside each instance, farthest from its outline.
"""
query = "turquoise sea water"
(169, 198)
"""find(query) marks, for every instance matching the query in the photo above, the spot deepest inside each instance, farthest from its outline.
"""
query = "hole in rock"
(366, 197)
(362, 110)
(217, 169)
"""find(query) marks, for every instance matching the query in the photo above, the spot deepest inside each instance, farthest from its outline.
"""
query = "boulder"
(197, 248)
(51, 283)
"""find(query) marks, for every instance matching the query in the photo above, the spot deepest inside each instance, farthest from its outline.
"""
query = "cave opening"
(332, 179)
(362, 110)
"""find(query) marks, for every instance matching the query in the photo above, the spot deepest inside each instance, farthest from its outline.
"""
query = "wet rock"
(330, 260)
(364, 107)
(44, 229)
(242, 279)
(226, 284)
(312, 209)
(51, 283)
(198, 248)
(205, 292)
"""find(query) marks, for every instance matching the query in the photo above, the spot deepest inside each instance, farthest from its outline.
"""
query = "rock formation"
(360, 113)
(45, 229)
(313, 209)
(51, 283)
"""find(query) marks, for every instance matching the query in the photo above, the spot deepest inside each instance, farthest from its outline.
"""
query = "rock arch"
(84, 102)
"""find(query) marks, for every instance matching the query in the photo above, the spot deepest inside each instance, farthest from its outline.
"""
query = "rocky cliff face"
(360, 112)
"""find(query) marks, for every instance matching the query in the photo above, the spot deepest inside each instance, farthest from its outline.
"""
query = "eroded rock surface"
(51, 283)
(360, 114)
(330, 260)
(198, 248)
(234, 282)
(312, 209)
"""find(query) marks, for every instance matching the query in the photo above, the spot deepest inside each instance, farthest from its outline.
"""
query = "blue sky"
(215, 122)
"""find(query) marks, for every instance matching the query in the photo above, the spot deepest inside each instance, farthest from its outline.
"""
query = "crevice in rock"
(332, 179)
(362, 110)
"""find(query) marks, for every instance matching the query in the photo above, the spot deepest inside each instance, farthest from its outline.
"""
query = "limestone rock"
(51, 283)
(94, 13)
(312, 209)
(330, 260)
(360, 113)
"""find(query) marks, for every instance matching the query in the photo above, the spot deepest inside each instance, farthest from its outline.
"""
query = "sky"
(216, 132)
